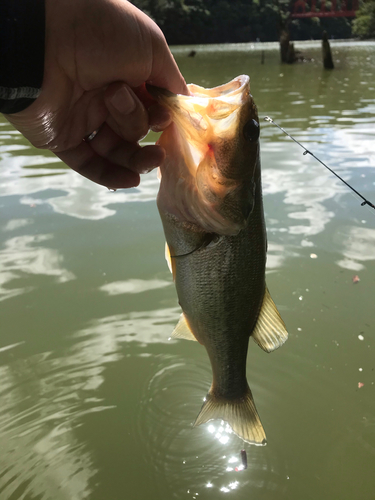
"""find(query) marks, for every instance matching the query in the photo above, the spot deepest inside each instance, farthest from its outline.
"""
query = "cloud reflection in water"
(133, 286)
(306, 190)
(45, 399)
(49, 181)
(305, 183)
(25, 255)
(357, 245)
(41, 456)
(140, 326)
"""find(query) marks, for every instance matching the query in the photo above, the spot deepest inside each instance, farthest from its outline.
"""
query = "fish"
(211, 208)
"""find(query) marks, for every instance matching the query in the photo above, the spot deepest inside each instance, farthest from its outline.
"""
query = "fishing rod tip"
(366, 202)
(306, 151)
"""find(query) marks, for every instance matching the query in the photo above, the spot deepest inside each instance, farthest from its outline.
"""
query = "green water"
(96, 403)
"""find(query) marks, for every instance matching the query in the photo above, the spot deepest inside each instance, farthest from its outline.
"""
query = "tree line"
(231, 21)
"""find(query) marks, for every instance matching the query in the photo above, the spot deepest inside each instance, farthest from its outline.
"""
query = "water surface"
(95, 401)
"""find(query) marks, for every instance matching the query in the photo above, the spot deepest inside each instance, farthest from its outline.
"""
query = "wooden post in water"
(287, 52)
(284, 46)
(326, 49)
(291, 57)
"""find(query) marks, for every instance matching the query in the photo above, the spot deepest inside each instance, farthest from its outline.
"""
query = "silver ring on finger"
(91, 136)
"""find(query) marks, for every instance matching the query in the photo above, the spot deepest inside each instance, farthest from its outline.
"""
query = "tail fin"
(240, 414)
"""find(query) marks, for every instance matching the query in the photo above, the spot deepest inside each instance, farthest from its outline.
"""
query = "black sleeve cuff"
(22, 37)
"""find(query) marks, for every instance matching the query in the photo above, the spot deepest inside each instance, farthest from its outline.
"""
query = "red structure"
(304, 8)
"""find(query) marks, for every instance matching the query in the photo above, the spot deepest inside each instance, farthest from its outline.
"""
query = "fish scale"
(218, 302)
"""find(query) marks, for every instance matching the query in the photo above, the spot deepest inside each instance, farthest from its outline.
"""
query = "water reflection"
(40, 455)
(306, 184)
(133, 286)
(303, 183)
(24, 255)
(139, 326)
(14, 224)
(276, 255)
(202, 460)
(44, 400)
(357, 245)
(306, 189)
(40, 180)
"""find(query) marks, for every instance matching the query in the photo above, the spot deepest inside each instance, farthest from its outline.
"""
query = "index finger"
(85, 161)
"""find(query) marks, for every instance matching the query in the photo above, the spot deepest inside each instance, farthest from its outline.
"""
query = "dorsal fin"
(182, 330)
(270, 331)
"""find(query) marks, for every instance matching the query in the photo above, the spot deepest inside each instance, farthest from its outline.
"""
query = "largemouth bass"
(210, 203)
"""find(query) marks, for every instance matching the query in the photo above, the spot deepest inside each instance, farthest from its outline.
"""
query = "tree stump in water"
(327, 56)
(287, 52)
(291, 56)
(284, 46)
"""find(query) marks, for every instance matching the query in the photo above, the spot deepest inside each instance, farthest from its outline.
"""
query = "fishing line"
(306, 151)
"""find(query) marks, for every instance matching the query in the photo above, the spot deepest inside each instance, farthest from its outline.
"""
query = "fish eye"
(251, 130)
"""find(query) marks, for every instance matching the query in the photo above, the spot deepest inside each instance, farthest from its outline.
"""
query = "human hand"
(98, 56)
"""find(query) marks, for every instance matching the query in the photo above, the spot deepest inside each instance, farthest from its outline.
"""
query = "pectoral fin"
(270, 331)
(168, 258)
(182, 330)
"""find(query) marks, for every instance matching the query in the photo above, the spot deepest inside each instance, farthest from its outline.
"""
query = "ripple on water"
(184, 460)
(45, 399)
(42, 402)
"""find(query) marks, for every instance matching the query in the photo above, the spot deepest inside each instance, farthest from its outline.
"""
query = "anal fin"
(270, 330)
(241, 414)
(182, 330)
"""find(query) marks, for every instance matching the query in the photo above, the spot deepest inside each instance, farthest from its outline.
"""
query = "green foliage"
(364, 24)
(313, 27)
(222, 21)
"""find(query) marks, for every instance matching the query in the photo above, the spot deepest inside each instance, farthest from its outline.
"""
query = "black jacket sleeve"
(22, 37)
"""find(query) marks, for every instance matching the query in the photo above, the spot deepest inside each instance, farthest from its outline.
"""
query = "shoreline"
(255, 46)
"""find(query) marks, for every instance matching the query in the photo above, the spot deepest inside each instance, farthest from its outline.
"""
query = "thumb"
(165, 72)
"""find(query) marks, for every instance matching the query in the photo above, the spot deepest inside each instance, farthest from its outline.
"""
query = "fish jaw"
(210, 164)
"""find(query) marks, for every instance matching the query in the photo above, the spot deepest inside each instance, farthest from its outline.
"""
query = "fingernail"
(123, 101)
(159, 117)
(147, 170)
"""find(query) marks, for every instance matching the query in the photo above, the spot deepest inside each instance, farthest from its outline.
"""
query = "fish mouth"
(211, 112)
(209, 167)
(229, 89)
